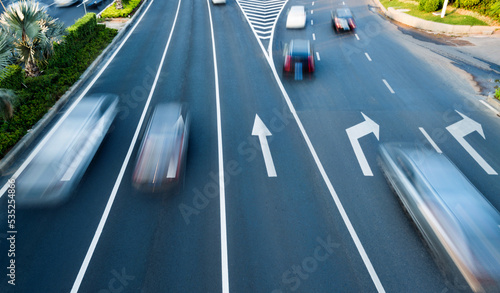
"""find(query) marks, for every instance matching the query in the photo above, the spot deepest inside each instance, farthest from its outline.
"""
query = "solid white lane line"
(427, 136)
(317, 56)
(368, 57)
(333, 193)
(357, 37)
(388, 86)
(42, 143)
(102, 222)
(489, 107)
(222, 188)
(314, 37)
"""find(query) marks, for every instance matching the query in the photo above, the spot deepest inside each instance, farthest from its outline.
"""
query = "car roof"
(299, 47)
(344, 12)
(297, 8)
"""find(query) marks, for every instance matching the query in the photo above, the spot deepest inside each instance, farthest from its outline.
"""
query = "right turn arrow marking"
(355, 133)
(463, 128)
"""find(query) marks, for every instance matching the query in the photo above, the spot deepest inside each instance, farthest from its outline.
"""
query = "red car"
(299, 55)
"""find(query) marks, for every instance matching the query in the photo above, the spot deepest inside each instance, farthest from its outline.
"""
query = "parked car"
(343, 20)
(162, 155)
(296, 18)
(461, 227)
(57, 169)
(299, 55)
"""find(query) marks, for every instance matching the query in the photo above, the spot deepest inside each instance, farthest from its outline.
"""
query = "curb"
(35, 132)
(494, 102)
(434, 26)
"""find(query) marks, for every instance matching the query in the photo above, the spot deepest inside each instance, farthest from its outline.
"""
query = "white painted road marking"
(102, 222)
(312, 22)
(489, 107)
(222, 185)
(368, 57)
(260, 130)
(355, 133)
(317, 56)
(388, 86)
(357, 37)
(314, 37)
(463, 128)
(427, 136)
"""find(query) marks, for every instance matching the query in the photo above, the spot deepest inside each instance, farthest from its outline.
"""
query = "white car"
(64, 3)
(296, 17)
(219, 1)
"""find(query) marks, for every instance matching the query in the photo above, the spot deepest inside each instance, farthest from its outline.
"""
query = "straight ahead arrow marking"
(260, 130)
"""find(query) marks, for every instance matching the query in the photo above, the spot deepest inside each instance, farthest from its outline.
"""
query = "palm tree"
(33, 31)
(6, 99)
(5, 50)
(118, 4)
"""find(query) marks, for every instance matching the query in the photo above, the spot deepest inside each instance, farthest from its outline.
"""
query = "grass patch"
(451, 17)
(128, 7)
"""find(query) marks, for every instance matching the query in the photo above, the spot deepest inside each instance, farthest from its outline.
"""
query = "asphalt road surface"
(276, 197)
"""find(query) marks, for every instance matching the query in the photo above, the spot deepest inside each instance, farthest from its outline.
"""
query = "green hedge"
(430, 5)
(12, 78)
(84, 42)
(112, 12)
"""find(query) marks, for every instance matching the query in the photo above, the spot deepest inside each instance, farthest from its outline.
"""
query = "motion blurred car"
(343, 20)
(161, 157)
(65, 3)
(299, 56)
(219, 1)
(296, 17)
(461, 227)
(95, 3)
(57, 169)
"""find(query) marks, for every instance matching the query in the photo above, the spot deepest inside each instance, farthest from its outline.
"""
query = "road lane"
(174, 249)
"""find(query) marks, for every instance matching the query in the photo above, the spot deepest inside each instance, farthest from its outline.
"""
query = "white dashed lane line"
(388, 86)
(427, 136)
(317, 56)
(368, 57)
(357, 37)
(314, 37)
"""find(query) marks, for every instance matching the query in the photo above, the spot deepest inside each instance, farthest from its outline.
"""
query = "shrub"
(430, 5)
(112, 12)
(494, 10)
(12, 77)
(497, 93)
(84, 42)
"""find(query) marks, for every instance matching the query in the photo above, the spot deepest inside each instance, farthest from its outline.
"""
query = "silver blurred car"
(461, 227)
(161, 157)
(57, 169)
(65, 3)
